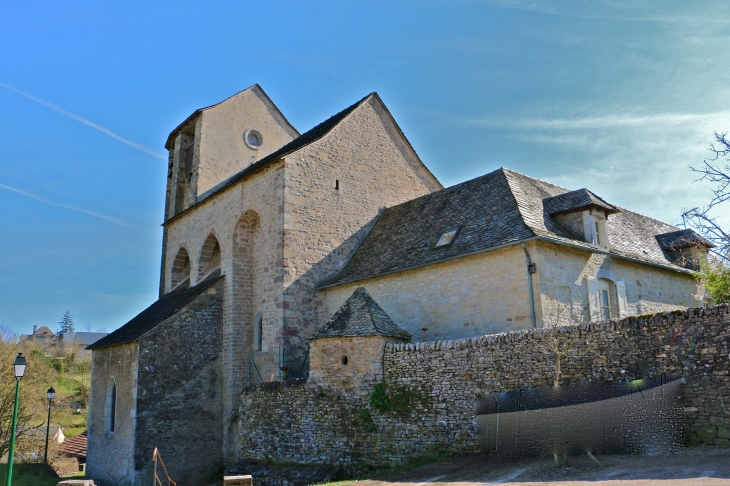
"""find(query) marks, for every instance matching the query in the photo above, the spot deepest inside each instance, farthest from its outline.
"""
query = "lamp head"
(51, 393)
(19, 366)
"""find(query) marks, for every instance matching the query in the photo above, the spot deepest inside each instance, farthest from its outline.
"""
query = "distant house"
(42, 338)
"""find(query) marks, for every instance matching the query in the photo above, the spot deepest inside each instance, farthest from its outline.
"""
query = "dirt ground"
(697, 466)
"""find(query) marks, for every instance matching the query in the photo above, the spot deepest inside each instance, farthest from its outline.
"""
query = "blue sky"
(616, 96)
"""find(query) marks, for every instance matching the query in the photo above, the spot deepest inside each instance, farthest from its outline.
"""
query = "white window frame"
(595, 229)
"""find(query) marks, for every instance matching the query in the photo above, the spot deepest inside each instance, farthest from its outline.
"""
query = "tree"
(715, 270)
(66, 324)
(701, 218)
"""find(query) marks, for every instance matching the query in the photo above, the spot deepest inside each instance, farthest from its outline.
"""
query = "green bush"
(716, 279)
(379, 398)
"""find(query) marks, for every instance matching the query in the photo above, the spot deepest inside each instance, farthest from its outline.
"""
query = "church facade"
(268, 232)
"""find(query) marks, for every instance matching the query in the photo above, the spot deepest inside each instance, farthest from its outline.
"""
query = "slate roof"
(576, 201)
(498, 209)
(302, 141)
(682, 239)
(360, 315)
(167, 306)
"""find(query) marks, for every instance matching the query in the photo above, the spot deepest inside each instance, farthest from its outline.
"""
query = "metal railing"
(156, 457)
(277, 364)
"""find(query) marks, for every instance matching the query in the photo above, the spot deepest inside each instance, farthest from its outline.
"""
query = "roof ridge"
(538, 180)
(515, 190)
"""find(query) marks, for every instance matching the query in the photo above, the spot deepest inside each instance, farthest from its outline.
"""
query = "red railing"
(156, 479)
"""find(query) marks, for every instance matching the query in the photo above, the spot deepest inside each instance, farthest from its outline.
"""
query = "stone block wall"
(334, 189)
(435, 387)
(179, 393)
(110, 455)
(479, 294)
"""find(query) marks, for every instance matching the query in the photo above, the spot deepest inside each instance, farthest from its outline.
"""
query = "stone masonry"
(435, 387)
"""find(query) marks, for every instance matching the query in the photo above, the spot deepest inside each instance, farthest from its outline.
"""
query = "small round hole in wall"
(343, 359)
(253, 138)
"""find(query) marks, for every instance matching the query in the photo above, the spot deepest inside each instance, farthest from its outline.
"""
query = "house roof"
(360, 316)
(171, 137)
(576, 201)
(498, 209)
(44, 330)
(76, 446)
(84, 338)
(167, 306)
(682, 239)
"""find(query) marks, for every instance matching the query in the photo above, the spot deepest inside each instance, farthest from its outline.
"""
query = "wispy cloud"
(603, 10)
(86, 122)
(40, 199)
(595, 122)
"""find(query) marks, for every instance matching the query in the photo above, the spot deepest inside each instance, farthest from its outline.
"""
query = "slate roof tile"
(360, 316)
(576, 201)
(167, 306)
(498, 209)
(681, 239)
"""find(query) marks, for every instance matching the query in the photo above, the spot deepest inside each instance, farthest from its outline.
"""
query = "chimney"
(35, 328)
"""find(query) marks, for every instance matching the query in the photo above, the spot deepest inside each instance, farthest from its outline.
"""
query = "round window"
(253, 138)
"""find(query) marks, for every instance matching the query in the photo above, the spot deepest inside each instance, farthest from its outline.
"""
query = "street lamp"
(51, 393)
(19, 366)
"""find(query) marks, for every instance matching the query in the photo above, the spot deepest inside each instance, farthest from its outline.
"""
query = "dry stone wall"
(433, 388)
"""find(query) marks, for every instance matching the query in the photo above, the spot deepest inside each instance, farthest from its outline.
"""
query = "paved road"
(698, 466)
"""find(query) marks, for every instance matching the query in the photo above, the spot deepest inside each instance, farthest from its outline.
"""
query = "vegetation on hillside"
(67, 374)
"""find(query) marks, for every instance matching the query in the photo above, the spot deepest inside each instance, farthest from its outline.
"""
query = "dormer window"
(599, 235)
(684, 248)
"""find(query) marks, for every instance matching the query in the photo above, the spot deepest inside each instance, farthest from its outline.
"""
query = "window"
(253, 138)
(605, 298)
(110, 413)
(594, 227)
(337, 184)
(258, 333)
(447, 238)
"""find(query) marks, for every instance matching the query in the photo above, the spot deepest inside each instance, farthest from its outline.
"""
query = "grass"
(27, 475)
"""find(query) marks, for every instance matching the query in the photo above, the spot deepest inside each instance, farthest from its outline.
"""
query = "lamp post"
(18, 370)
(51, 393)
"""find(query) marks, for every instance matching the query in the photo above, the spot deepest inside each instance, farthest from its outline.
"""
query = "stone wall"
(434, 388)
(179, 393)
(110, 455)
(562, 271)
(334, 189)
(479, 294)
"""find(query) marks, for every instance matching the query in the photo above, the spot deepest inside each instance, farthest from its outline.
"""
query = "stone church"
(267, 234)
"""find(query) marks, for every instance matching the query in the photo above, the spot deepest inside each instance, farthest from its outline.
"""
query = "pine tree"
(66, 324)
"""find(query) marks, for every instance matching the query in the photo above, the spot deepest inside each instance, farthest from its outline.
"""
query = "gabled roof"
(44, 330)
(499, 209)
(171, 137)
(167, 306)
(360, 316)
(76, 446)
(576, 201)
(682, 239)
(303, 140)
